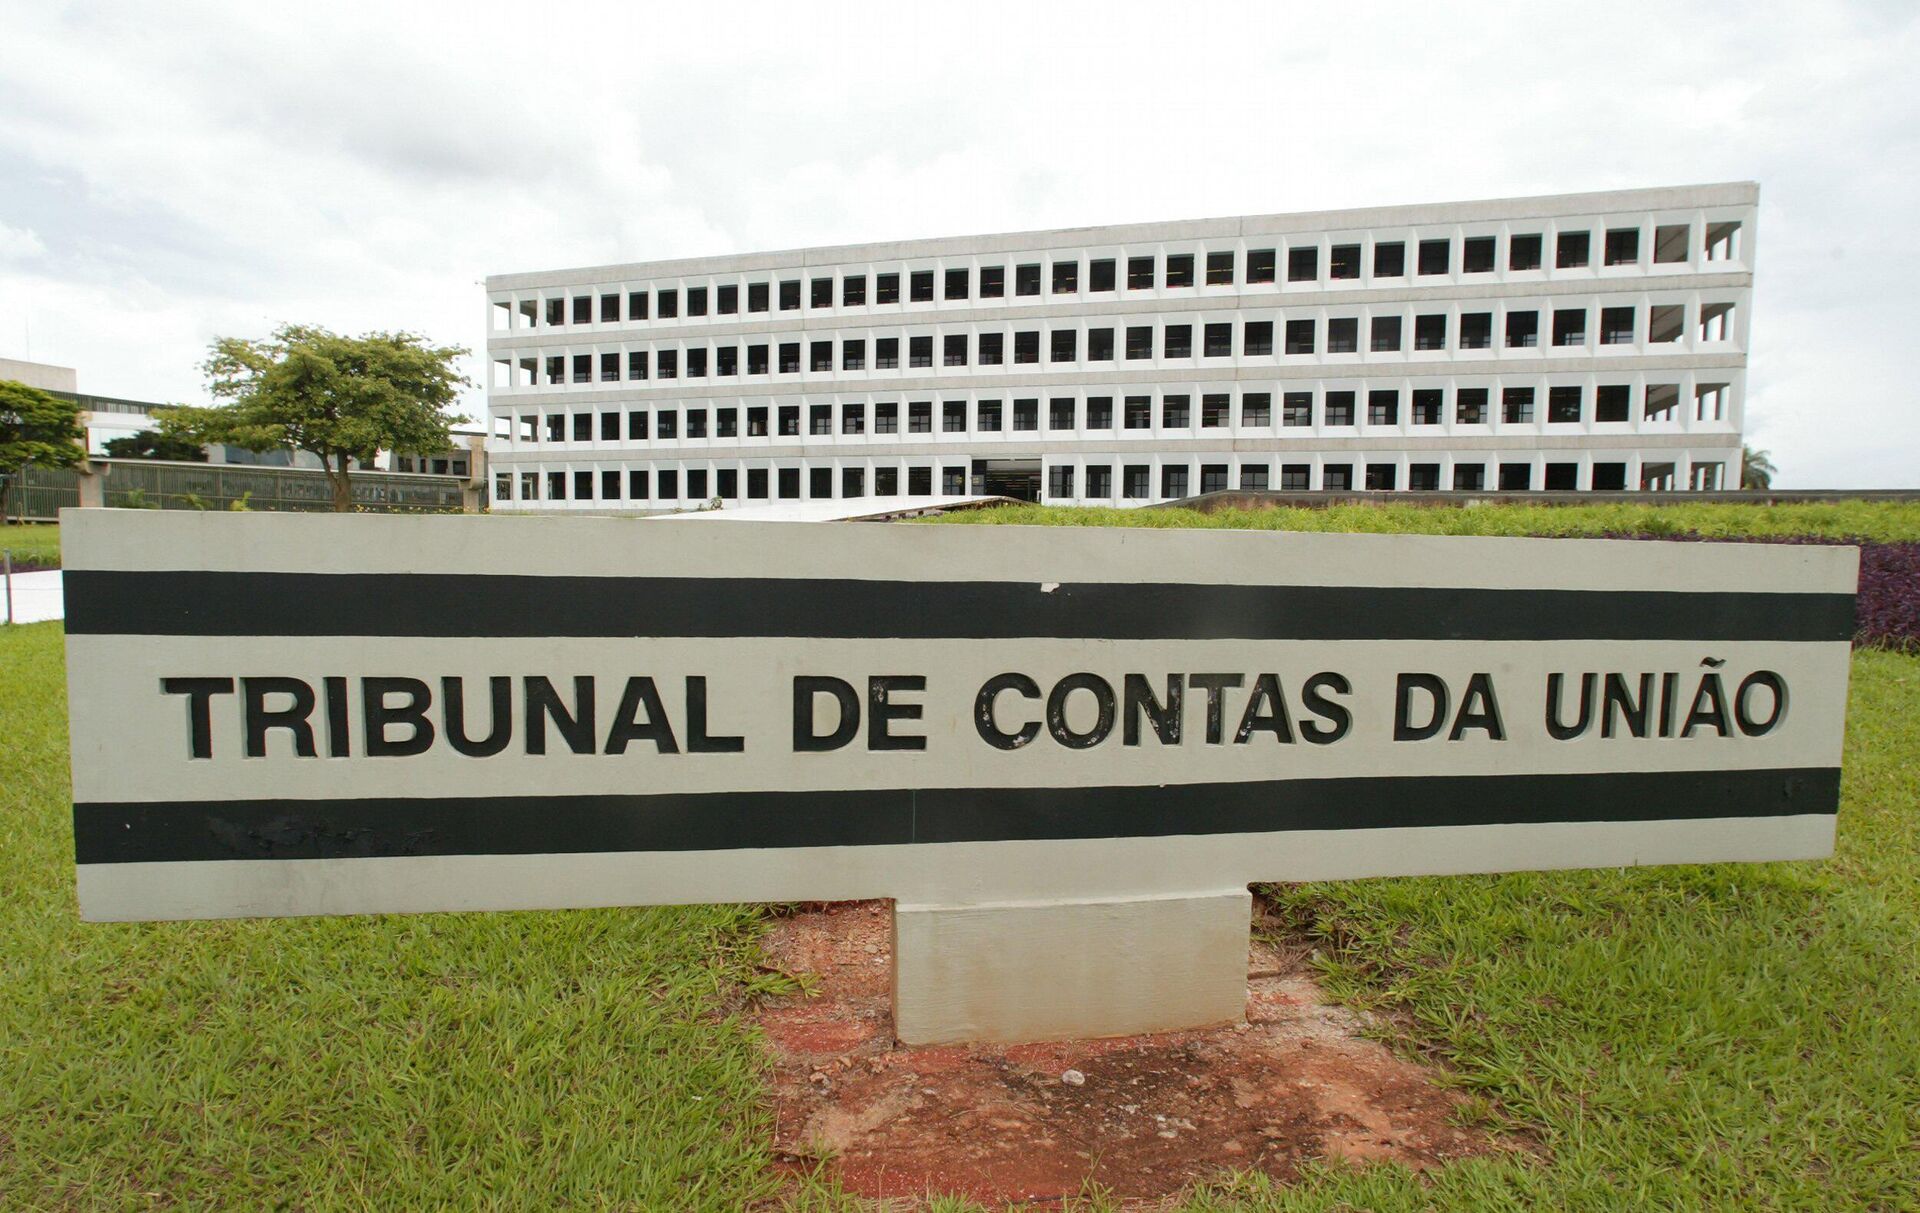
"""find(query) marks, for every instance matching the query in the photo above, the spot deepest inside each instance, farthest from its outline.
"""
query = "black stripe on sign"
(536, 825)
(460, 604)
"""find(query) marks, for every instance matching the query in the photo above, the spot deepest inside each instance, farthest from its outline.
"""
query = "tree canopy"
(37, 428)
(342, 398)
(152, 444)
(1756, 469)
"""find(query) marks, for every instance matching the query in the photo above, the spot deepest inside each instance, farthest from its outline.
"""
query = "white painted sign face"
(306, 714)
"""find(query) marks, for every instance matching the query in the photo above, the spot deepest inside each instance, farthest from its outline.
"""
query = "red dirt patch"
(1152, 1114)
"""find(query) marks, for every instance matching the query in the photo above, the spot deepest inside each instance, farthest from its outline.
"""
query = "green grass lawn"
(1721, 1037)
(32, 543)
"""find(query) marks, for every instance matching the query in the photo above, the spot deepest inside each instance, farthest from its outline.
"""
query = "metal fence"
(39, 493)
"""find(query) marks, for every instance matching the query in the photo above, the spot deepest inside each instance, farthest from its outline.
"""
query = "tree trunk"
(342, 487)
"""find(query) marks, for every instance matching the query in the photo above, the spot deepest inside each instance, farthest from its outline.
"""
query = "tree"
(152, 444)
(36, 428)
(1756, 469)
(342, 398)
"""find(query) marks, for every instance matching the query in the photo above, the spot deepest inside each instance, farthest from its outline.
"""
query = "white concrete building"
(1584, 342)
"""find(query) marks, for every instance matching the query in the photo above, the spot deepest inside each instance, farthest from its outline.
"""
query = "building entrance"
(1016, 478)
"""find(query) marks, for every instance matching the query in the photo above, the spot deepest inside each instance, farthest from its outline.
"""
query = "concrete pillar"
(1055, 970)
(93, 483)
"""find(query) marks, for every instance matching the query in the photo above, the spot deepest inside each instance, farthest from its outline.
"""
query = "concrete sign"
(1064, 752)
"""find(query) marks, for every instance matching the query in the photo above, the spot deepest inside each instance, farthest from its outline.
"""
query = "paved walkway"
(36, 598)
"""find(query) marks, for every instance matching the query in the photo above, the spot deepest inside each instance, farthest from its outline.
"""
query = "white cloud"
(202, 168)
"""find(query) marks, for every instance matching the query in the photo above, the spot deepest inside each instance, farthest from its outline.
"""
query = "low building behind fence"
(40, 493)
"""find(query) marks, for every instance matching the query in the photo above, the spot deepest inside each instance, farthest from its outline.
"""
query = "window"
(1339, 408)
(789, 482)
(1469, 477)
(1430, 332)
(987, 416)
(920, 481)
(1343, 334)
(1666, 323)
(756, 296)
(920, 286)
(1296, 408)
(992, 348)
(556, 427)
(1337, 477)
(1390, 260)
(1523, 330)
(1066, 277)
(789, 418)
(637, 484)
(1099, 412)
(1060, 481)
(557, 369)
(556, 486)
(1066, 346)
(1026, 280)
(1716, 321)
(1173, 481)
(958, 283)
(1137, 480)
(1100, 482)
(1616, 326)
(1612, 402)
(886, 353)
(886, 418)
(756, 483)
(1215, 410)
(1099, 345)
(756, 360)
(1213, 477)
(1260, 265)
(853, 290)
(820, 355)
(1026, 415)
(696, 484)
(1516, 405)
(1179, 341)
(1436, 256)
(1476, 257)
(1476, 330)
(1060, 411)
(1343, 261)
(1179, 269)
(1563, 404)
(1383, 407)
(853, 419)
(583, 309)
(556, 311)
(637, 302)
(757, 422)
(1723, 241)
(727, 300)
(583, 486)
(1470, 406)
(1253, 477)
(1220, 269)
(953, 416)
(729, 360)
(1384, 337)
(853, 482)
(1139, 273)
(696, 301)
(886, 481)
(920, 417)
(1426, 407)
(953, 349)
(666, 364)
(853, 355)
(1516, 477)
(1303, 264)
(1217, 340)
(820, 419)
(819, 482)
(1300, 337)
(696, 423)
(610, 312)
(1026, 347)
(790, 295)
(1139, 412)
(1660, 401)
(666, 423)
(609, 367)
(1380, 477)
(637, 426)
(1570, 253)
(920, 351)
(1669, 246)
(668, 481)
(726, 423)
(1423, 477)
(1563, 477)
(1609, 477)
(1256, 408)
(583, 368)
(1623, 246)
(583, 427)
(1139, 341)
(697, 363)
(1523, 253)
(1296, 477)
(886, 288)
(993, 281)
(1570, 326)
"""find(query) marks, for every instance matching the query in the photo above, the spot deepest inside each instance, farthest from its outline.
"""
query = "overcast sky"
(169, 172)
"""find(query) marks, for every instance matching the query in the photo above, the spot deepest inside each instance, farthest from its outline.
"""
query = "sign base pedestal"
(1016, 972)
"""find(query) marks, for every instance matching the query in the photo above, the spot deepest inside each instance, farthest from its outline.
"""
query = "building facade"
(1582, 342)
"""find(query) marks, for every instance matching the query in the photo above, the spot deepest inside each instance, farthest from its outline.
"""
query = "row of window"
(1134, 480)
(1567, 327)
(1561, 404)
(1619, 246)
